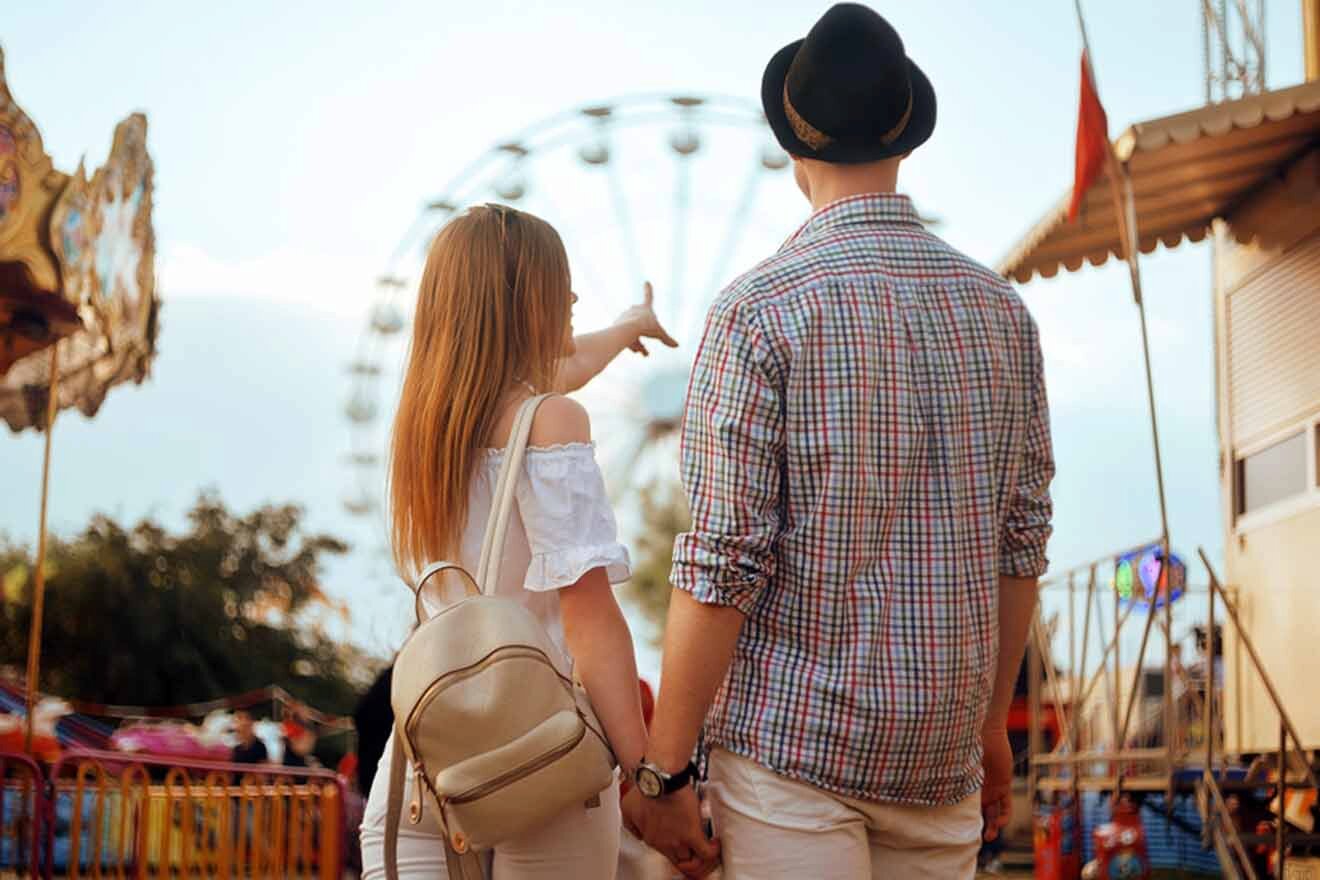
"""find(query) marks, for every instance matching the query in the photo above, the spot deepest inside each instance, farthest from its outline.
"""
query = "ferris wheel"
(666, 188)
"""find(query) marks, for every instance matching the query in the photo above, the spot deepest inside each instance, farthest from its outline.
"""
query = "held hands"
(672, 825)
(641, 323)
(997, 793)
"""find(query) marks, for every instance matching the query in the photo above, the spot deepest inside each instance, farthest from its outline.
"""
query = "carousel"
(78, 305)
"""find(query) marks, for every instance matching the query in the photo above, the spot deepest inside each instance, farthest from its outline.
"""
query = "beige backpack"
(499, 738)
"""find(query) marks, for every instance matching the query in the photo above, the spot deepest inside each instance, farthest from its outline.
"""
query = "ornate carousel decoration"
(78, 299)
(77, 266)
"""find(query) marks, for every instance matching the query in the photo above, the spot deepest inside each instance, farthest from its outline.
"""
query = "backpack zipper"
(504, 652)
(510, 776)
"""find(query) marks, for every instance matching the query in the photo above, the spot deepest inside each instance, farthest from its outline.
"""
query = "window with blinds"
(1274, 345)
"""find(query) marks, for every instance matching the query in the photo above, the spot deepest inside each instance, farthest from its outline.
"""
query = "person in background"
(298, 744)
(373, 719)
(354, 804)
(249, 749)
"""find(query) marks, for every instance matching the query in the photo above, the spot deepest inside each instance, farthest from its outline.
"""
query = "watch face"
(649, 783)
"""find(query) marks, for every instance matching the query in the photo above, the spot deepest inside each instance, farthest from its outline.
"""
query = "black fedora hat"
(848, 92)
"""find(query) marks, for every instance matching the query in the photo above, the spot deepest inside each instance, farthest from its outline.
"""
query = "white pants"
(773, 827)
(578, 843)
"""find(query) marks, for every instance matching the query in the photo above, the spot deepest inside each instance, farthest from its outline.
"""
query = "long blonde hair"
(493, 313)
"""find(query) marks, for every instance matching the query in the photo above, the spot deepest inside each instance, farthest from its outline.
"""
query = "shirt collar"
(867, 209)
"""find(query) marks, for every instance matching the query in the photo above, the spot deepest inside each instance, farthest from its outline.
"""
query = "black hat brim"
(921, 122)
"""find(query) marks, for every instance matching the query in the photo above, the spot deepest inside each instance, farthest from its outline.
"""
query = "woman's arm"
(594, 351)
(594, 627)
(602, 649)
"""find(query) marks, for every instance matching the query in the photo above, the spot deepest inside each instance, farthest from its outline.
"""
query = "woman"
(493, 327)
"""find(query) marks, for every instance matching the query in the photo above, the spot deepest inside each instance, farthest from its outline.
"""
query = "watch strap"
(680, 779)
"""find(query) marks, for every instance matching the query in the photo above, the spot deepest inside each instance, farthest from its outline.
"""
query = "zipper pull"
(415, 804)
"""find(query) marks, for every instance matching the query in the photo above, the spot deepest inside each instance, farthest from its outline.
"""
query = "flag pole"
(1125, 216)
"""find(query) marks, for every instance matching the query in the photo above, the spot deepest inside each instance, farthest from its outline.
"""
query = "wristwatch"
(653, 782)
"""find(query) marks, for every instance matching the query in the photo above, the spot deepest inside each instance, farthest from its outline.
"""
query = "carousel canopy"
(77, 267)
(1187, 170)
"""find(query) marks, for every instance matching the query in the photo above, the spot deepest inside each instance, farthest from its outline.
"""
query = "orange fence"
(109, 814)
(22, 816)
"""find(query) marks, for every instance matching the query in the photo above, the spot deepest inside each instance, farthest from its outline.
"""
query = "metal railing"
(111, 814)
(1122, 766)
(1218, 820)
(23, 812)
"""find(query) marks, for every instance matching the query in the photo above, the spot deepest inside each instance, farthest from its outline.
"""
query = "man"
(249, 749)
(867, 458)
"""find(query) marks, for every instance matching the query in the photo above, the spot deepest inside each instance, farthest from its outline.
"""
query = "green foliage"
(664, 516)
(140, 616)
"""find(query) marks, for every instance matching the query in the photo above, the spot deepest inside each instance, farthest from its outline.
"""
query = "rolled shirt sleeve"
(1026, 525)
(732, 454)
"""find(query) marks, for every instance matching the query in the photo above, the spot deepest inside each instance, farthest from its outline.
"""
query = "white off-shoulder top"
(562, 527)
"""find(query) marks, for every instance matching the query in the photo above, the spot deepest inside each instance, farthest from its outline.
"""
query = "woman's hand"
(594, 351)
(641, 323)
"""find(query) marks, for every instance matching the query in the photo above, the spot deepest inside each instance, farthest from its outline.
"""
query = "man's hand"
(672, 825)
(997, 793)
(643, 324)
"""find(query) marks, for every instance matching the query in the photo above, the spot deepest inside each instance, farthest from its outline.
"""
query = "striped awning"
(1187, 170)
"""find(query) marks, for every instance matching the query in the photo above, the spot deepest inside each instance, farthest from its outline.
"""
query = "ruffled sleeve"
(570, 526)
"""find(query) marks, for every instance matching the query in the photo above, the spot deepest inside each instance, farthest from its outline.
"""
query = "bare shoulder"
(560, 420)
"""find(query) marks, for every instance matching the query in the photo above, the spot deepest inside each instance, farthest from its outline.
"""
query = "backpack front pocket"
(502, 793)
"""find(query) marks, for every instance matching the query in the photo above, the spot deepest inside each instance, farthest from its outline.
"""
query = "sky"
(295, 142)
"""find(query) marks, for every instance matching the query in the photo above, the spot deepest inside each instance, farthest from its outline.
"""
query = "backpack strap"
(433, 569)
(394, 810)
(461, 867)
(501, 508)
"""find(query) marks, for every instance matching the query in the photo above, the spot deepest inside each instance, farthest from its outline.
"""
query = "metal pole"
(682, 205)
(39, 579)
(1209, 713)
(1283, 799)
(1311, 38)
(1135, 273)
(1136, 675)
(1226, 49)
(1170, 723)
(1265, 679)
(1118, 670)
(1072, 651)
(1074, 691)
(1052, 683)
(1033, 707)
(1103, 671)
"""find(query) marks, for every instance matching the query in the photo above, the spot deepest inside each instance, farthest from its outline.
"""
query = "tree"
(664, 515)
(143, 617)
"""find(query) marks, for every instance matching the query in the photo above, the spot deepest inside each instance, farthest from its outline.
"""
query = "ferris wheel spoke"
(637, 409)
(728, 246)
(582, 258)
(626, 231)
(682, 208)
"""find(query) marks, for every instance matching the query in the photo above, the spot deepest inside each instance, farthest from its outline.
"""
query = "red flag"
(1092, 139)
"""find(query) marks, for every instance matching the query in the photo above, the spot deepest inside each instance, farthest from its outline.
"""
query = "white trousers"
(578, 843)
(772, 827)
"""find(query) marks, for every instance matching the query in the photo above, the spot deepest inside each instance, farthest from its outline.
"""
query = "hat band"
(816, 139)
(805, 131)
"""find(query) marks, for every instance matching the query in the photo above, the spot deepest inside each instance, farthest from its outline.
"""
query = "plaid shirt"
(865, 450)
